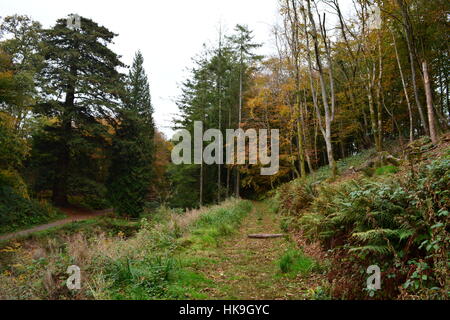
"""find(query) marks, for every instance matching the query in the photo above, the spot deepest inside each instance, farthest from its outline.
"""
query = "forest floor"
(72, 216)
(245, 268)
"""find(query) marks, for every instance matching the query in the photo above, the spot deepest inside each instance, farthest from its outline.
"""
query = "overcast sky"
(169, 33)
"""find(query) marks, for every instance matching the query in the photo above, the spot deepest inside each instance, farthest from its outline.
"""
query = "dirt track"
(72, 215)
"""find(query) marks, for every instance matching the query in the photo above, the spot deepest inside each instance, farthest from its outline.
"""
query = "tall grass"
(294, 262)
(114, 263)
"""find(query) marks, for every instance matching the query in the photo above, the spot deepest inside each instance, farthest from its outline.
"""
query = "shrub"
(399, 224)
(295, 196)
(88, 194)
(17, 212)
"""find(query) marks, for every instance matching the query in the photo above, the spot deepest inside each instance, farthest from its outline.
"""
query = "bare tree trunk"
(328, 115)
(379, 94)
(201, 168)
(219, 182)
(429, 95)
(373, 121)
(306, 135)
(411, 50)
(405, 90)
(201, 185)
(317, 124)
(228, 166)
(239, 124)
(293, 41)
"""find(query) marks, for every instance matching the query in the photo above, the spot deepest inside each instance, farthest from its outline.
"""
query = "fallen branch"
(265, 235)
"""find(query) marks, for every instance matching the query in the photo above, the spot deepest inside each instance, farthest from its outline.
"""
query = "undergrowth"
(20, 212)
(396, 221)
(118, 259)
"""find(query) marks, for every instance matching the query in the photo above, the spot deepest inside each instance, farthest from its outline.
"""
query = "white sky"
(168, 32)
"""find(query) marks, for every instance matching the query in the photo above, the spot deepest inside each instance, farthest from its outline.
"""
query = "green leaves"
(131, 171)
(389, 221)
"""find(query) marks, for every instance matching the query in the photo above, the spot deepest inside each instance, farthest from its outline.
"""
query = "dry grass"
(36, 268)
(185, 220)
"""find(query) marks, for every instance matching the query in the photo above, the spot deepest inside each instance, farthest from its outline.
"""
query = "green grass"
(324, 172)
(211, 227)
(170, 272)
(386, 170)
(294, 262)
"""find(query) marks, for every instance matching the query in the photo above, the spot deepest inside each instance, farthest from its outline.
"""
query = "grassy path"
(245, 268)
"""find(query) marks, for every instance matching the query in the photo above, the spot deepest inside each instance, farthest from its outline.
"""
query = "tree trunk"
(429, 95)
(411, 50)
(201, 185)
(228, 166)
(328, 114)
(379, 93)
(59, 192)
(219, 91)
(239, 125)
(405, 90)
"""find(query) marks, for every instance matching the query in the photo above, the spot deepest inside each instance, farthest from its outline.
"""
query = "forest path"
(72, 215)
(247, 268)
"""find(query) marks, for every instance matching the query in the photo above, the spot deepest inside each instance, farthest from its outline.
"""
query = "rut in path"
(248, 268)
(72, 215)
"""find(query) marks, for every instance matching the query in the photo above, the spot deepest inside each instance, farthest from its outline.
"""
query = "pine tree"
(80, 87)
(133, 146)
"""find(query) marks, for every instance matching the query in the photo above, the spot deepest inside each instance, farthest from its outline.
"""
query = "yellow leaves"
(284, 110)
(6, 75)
(7, 273)
(15, 246)
(21, 278)
(288, 86)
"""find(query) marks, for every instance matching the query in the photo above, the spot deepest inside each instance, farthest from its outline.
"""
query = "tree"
(429, 96)
(81, 87)
(131, 171)
(412, 51)
(329, 112)
(244, 45)
(22, 43)
(292, 24)
(160, 187)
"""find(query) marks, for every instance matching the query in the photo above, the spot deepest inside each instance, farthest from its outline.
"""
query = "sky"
(169, 33)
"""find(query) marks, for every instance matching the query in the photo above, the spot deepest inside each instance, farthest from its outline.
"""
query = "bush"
(87, 194)
(295, 196)
(399, 224)
(17, 212)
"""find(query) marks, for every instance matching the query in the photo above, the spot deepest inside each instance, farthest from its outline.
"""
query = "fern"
(376, 234)
(380, 249)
